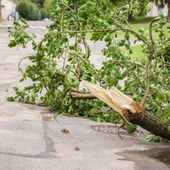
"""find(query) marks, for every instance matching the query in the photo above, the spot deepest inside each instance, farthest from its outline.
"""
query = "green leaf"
(76, 83)
(149, 138)
(107, 39)
(12, 43)
(156, 139)
(16, 88)
(162, 21)
(71, 75)
(32, 57)
(11, 99)
(141, 30)
(131, 128)
(23, 21)
(127, 35)
(71, 47)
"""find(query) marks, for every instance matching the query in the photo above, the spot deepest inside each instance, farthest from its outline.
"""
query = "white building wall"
(155, 11)
(8, 8)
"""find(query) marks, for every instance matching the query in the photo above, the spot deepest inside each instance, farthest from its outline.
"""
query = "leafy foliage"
(146, 81)
(28, 10)
(44, 13)
(131, 128)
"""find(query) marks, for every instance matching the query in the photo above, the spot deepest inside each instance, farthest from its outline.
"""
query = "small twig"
(26, 34)
(119, 132)
(151, 52)
(86, 55)
(71, 12)
(103, 30)
(124, 61)
(20, 63)
(163, 43)
(61, 100)
(64, 62)
(148, 81)
(163, 67)
(73, 53)
(61, 26)
(150, 31)
(134, 75)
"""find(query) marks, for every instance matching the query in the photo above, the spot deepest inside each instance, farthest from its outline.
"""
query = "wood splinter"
(130, 110)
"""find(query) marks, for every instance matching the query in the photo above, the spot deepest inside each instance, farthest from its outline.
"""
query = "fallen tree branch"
(130, 110)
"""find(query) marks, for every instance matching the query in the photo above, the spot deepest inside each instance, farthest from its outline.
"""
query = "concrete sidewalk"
(27, 142)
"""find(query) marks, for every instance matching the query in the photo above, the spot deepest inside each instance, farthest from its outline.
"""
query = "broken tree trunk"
(130, 110)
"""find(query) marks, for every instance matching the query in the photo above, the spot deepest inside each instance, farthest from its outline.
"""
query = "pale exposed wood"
(82, 96)
(114, 98)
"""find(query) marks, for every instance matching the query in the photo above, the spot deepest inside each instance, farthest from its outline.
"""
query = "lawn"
(143, 19)
(136, 25)
(137, 55)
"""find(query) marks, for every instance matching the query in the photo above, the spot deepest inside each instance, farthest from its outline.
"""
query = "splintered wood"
(115, 99)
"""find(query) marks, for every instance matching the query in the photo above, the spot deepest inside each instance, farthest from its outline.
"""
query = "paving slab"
(31, 141)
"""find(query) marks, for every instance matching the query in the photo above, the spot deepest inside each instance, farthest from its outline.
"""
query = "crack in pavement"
(49, 150)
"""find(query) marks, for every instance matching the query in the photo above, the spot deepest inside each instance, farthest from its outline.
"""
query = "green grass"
(139, 20)
(137, 55)
(136, 25)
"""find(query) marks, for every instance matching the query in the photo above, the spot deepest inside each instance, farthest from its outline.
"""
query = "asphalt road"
(29, 142)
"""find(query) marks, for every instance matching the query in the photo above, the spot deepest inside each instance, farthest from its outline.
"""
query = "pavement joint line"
(5, 26)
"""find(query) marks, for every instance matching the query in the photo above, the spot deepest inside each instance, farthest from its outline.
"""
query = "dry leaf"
(65, 130)
(77, 148)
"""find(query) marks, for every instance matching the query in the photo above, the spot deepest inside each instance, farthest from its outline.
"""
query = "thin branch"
(61, 26)
(73, 53)
(150, 31)
(66, 12)
(163, 67)
(103, 30)
(86, 55)
(148, 81)
(20, 63)
(163, 43)
(77, 91)
(26, 34)
(112, 19)
(71, 12)
(124, 61)
(61, 100)
(133, 74)
(155, 67)
(150, 62)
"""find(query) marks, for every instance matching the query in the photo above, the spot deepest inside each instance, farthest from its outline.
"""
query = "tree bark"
(130, 110)
(153, 124)
(76, 6)
(147, 120)
(130, 17)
